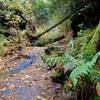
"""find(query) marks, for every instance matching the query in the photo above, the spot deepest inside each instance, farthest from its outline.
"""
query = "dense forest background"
(70, 31)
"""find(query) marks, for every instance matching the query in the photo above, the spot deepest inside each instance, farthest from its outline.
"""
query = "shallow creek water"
(29, 80)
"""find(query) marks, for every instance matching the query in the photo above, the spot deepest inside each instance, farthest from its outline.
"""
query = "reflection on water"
(28, 92)
(26, 63)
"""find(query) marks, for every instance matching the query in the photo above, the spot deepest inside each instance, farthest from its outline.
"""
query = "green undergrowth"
(79, 59)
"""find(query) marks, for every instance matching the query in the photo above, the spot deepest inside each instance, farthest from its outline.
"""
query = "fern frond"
(83, 69)
(52, 60)
(95, 75)
(65, 59)
(80, 67)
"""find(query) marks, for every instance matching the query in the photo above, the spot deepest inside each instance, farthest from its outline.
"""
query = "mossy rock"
(58, 76)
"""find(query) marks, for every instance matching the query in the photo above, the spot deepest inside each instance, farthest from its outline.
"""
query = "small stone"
(43, 94)
(26, 77)
(46, 78)
(2, 89)
(39, 97)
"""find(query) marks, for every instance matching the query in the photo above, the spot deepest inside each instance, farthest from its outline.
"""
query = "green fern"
(82, 70)
(52, 60)
(65, 59)
(80, 67)
(95, 75)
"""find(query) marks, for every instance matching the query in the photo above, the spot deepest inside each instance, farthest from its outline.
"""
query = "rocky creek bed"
(27, 83)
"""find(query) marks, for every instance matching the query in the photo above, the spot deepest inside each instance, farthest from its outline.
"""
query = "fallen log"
(43, 41)
(36, 36)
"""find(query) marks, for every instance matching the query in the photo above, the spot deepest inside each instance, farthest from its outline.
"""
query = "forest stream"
(49, 49)
(28, 83)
